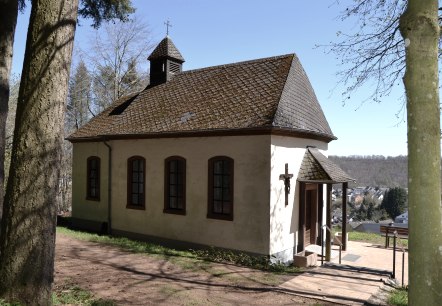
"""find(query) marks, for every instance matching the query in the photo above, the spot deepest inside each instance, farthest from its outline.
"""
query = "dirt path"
(136, 279)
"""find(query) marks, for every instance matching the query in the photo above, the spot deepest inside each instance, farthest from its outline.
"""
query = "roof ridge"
(284, 87)
(277, 57)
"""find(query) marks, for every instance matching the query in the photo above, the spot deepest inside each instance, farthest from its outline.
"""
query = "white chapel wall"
(249, 230)
(284, 220)
(89, 210)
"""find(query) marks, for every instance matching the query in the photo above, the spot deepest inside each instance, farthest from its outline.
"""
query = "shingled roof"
(270, 95)
(315, 167)
(166, 49)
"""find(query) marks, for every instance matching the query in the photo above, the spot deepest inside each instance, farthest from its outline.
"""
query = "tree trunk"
(420, 28)
(27, 239)
(8, 21)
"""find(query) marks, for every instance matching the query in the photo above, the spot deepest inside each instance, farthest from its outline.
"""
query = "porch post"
(301, 231)
(320, 213)
(344, 216)
(328, 223)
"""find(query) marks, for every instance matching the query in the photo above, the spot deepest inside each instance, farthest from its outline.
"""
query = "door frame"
(315, 216)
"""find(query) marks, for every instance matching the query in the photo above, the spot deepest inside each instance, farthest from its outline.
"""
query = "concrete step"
(342, 284)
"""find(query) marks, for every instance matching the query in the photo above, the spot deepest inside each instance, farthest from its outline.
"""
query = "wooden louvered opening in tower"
(174, 67)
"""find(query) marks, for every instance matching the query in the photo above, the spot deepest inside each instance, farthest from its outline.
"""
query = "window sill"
(135, 207)
(174, 211)
(220, 217)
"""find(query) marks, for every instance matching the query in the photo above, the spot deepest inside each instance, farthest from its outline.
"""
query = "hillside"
(375, 170)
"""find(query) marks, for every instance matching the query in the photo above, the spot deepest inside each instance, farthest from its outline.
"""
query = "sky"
(209, 33)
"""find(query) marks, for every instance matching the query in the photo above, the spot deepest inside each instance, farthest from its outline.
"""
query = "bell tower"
(165, 62)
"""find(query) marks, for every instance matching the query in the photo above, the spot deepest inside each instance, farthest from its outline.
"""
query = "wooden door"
(311, 214)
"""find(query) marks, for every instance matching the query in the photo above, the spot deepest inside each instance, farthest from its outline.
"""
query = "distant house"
(403, 218)
(231, 156)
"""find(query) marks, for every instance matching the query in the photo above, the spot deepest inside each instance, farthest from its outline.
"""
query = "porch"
(314, 229)
(362, 276)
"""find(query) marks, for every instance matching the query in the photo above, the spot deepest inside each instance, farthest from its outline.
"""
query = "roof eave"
(266, 130)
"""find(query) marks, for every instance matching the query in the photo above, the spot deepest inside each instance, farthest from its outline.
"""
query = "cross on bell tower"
(286, 178)
(167, 24)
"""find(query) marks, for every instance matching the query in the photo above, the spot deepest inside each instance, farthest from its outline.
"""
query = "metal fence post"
(403, 264)
(322, 246)
(394, 254)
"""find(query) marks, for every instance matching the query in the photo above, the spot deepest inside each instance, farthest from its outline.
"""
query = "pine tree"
(79, 99)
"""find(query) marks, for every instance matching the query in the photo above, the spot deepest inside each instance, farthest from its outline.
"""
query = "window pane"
(140, 188)
(93, 164)
(172, 202)
(180, 166)
(217, 181)
(135, 199)
(172, 190)
(180, 178)
(173, 166)
(217, 207)
(217, 194)
(226, 167)
(180, 191)
(135, 165)
(180, 203)
(226, 181)
(226, 194)
(226, 208)
(172, 178)
(135, 188)
(134, 177)
(218, 167)
(140, 165)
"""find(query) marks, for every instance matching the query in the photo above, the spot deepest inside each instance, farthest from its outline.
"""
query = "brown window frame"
(89, 187)
(181, 188)
(130, 182)
(211, 186)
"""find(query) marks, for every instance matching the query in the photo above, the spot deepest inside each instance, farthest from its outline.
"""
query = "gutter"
(109, 188)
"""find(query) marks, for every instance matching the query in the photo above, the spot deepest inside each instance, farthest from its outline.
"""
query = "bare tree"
(115, 60)
(398, 39)
(375, 51)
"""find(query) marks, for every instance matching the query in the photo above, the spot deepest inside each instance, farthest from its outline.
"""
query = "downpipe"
(109, 188)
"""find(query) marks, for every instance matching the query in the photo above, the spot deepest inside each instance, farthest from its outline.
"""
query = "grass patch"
(70, 294)
(398, 297)
(4, 303)
(126, 244)
(366, 237)
(73, 295)
(243, 259)
(185, 258)
(374, 238)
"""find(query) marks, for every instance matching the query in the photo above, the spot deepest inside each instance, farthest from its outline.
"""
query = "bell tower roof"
(166, 49)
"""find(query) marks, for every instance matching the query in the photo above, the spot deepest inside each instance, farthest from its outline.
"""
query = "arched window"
(93, 178)
(175, 185)
(220, 204)
(136, 182)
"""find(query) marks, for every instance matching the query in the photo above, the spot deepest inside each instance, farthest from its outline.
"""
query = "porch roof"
(316, 167)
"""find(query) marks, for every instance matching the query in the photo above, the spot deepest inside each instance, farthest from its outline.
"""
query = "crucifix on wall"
(286, 178)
